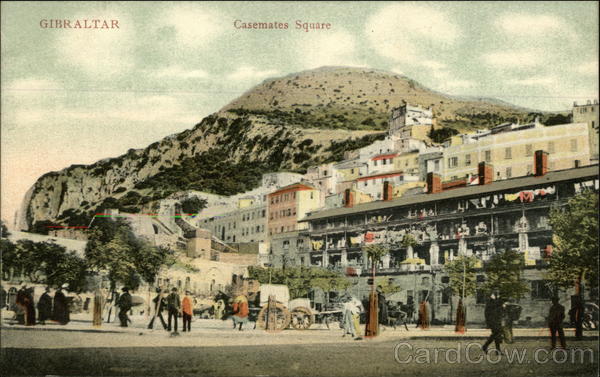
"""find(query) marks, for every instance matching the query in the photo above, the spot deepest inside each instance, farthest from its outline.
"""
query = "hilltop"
(283, 124)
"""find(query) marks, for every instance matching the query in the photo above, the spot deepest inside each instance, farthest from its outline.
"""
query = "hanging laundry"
(356, 240)
(369, 237)
(317, 245)
(550, 190)
(526, 196)
(511, 197)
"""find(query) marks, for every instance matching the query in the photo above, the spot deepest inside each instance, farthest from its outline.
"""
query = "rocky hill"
(358, 98)
(287, 123)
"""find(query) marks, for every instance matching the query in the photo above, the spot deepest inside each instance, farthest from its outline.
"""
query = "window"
(550, 147)
(507, 153)
(324, 173)
(488, 156)
(467, 159)
(436, 165)
(540, 290)
(384, 161)
(452, 162)
(311, 194)
(573, 145)
(351, 171)
(508, 172)
(366, 184)
(264, 211)
(446, 296)
(289, 212)
(257, 228)
(375, 162)
(281, 229)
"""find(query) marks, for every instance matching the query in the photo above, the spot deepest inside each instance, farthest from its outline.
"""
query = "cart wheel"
(302, 318)
(282, 321)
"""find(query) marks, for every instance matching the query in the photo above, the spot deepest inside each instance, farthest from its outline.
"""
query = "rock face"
(287, 124)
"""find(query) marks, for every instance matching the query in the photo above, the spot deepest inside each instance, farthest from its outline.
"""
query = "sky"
(74, 96)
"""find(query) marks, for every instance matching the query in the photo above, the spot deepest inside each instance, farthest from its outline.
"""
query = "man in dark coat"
(556, 317)
(124, 305)
(3, 297)
(60, 308)
(174, 307)
(29, 308)
(493, 319)
(159, 306)
(21, 304)
(44, 306)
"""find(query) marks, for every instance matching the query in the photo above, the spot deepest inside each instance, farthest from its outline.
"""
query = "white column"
(344, 260)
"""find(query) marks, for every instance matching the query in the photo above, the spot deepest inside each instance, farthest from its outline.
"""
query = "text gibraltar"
(79, 24)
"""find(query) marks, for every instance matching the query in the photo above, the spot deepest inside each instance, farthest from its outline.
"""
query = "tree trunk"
(579, 310)
(371, 327)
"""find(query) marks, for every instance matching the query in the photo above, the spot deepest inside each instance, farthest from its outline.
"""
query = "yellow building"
(510, 149)
(407, 162)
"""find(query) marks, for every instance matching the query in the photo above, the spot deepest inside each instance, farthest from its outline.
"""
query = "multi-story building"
(510, 147)
(478, 220)
(588, 113)
(286, 207)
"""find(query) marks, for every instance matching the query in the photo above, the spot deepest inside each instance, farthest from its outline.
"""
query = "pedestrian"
(493, 319)
(240, 311)
(60, 307)
(3, 297)
(44, 306)
(29, 307)
(124, 305)
(556, 316)
(173, 307)
(351, 317)
(20, 304)
(187, 311)
(159, 306)
(219, 308)
(382, 309)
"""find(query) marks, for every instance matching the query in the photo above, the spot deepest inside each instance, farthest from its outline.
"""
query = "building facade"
(509, 148)
(478, 220)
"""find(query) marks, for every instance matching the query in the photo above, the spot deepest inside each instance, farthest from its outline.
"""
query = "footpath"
(208, 327)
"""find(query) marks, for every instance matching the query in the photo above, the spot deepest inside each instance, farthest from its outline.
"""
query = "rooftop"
(515, 183)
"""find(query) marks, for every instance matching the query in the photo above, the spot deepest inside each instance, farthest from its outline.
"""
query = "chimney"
(486, 173)
(388, 191)
(540, 163)
(434, 183)
(348, 198)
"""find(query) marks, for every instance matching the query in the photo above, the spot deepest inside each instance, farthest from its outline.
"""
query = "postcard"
(286, 188)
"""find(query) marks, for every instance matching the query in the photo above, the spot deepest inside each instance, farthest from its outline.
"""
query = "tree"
(461, 272)
(113, 247)
(504, 275)
(375, 253)
(575, 261)
(575, 228)
(193, 204)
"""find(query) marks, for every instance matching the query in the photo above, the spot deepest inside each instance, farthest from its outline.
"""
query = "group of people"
(174, 305)
(24, 306)
(499, 318)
